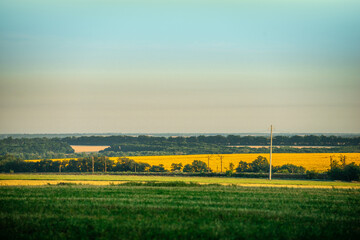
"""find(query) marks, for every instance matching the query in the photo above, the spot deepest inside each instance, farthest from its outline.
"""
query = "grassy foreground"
(177, 211)
(206, 180)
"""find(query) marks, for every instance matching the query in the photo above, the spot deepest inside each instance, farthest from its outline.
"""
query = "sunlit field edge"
(311, 161)
(27, 179)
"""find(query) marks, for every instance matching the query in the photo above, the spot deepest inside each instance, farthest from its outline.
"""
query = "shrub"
(289, 168)
(243, 167)
(352, 172)
(196, 166)
(349, 172)
(260, 164)
(312, 174)
(176, 167)
(159, 168)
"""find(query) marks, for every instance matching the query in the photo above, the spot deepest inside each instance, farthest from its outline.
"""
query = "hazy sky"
(179, 66)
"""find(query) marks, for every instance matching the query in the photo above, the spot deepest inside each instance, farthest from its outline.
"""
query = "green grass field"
(177, 211)
(209, 180)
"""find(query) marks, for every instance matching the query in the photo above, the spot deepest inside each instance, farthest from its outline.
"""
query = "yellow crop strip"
(311, 161)
(106, 179)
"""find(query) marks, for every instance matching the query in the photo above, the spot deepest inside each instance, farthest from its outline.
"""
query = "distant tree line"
(9, 163)
(230, 140)
(148, 145)
(156, 150)
(47, 148)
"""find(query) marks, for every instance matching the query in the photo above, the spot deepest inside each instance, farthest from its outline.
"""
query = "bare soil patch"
(84, 148)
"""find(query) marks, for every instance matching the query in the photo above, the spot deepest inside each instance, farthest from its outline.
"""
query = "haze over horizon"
(179, 66)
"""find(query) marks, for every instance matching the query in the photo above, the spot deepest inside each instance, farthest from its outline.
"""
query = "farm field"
(177, 211)
(101, 179)
(84, 148)
(311, 161)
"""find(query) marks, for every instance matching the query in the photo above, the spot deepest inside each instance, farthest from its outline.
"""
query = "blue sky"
(179, 66)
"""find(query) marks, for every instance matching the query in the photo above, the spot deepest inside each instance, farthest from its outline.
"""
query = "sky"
(143, 66)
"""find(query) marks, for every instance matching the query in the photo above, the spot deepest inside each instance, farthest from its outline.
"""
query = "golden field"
(311, 161)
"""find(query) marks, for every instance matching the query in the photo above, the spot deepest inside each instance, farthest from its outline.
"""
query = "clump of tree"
(196, 166)
(157, 168)
(288, 168)
(176, 167)
(339, 170)
(128, 165)
(261, 165)
(230, 170)
(10, 163)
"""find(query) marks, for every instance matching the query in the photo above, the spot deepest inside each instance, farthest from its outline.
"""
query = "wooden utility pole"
(271, 130)
(221, 159)
(105, 163)
(93, 167)
(60, 168)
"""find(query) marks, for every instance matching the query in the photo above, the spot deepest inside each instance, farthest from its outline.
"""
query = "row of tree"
(261, 164)
(9, 163)
(207, 148)
(230, 140)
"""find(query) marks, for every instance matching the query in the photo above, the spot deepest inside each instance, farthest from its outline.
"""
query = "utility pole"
(271, 130)
(221, 158)
(105, 163)
(92, 160)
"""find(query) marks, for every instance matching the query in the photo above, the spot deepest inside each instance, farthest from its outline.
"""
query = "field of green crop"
(177, 210)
